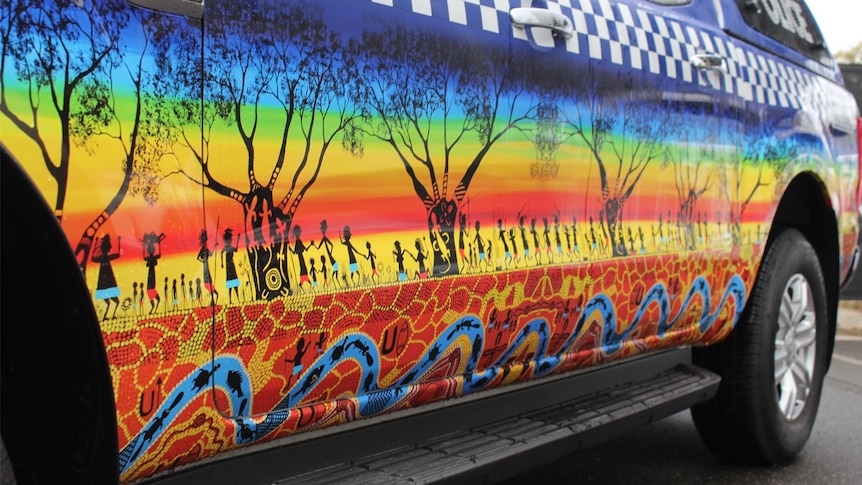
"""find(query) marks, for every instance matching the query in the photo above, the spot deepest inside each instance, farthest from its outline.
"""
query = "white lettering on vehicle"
(788, 14)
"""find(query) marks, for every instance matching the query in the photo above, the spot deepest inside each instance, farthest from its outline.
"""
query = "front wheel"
(773, 363)
(7, 475)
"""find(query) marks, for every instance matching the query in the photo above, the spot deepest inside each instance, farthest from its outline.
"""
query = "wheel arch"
(806, 206)
(56, 385)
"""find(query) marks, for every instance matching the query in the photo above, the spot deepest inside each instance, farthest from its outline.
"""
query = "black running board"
(484, 439)
(532, 437)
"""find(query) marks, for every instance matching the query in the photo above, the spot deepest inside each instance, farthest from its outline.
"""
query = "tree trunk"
(441, 230)
(268, 250)
(269, 271)
(614, 224)
(85, 243)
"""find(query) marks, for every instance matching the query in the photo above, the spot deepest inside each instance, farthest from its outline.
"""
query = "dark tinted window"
(853, 81)
(787, 21)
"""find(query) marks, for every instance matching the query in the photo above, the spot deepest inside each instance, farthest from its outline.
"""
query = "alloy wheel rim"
(795, 347)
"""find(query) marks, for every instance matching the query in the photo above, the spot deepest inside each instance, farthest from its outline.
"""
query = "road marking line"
(848, 338)
(849, 360)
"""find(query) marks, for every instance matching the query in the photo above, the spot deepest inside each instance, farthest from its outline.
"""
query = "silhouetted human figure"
(641, 237)
(576, 245)
(323, 270)
(327, 245)
(398, 253)
(372, 258)
(351, 255)
(557, 239)
(204, 257)
(536, 244)
(462, 235)
(501, 236)
(321, 338)
(604, 239)
(420, 258)
(547, 235)
(312, 272)
(135, 298)
(152, 252)
(480, 247)
(661, 235)
(106, 286)
(296, 361)
(227, 252)
(512, 239)
(174, 294)
(299, 250)
(524, 241)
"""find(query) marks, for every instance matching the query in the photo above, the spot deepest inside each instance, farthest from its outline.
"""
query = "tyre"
(7, 475)
(772, 365)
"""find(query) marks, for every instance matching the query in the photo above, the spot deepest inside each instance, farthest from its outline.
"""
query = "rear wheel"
(772, 365)
(56, 398)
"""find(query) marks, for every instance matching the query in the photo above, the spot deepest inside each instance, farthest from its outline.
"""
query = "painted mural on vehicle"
(360, 217)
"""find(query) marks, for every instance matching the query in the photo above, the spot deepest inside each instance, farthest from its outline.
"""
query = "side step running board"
(537, 437)
(480, 438)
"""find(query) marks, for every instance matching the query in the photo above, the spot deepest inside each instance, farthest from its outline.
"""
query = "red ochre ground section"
(153, 355)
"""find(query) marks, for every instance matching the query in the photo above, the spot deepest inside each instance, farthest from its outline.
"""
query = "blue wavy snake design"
(228, 374)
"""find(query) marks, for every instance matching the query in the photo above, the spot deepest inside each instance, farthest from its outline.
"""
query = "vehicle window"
(787, 21)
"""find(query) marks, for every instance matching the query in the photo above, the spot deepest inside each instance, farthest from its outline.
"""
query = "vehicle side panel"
(378, 205)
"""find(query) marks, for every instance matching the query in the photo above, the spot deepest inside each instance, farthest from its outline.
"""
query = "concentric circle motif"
(273, 279)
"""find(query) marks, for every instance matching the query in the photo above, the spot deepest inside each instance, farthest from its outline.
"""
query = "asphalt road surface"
(670, 451)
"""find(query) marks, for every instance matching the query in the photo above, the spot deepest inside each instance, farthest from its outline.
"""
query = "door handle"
(709, 62)
(187, 8)
(839, 128)
(539, 17)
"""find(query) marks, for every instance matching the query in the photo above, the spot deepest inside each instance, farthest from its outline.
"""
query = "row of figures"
(176, 293)
(524, 244)
(314, 267)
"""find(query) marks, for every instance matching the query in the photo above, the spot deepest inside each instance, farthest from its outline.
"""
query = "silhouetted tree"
(51, 49)
(625, 132)
(73, 58)
(692, 152)
(428, 95)
(103, 113)
(281, 56)
(760, 161)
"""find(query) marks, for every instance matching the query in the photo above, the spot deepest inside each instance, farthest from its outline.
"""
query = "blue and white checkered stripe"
(642, 40)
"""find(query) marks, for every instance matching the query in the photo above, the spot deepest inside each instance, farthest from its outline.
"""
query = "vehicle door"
(646, 106)
(345, 146)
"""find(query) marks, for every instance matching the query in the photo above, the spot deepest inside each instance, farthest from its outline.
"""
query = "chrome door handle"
(708, 62)
(540, 17)
(839, 128)
(187, 8)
